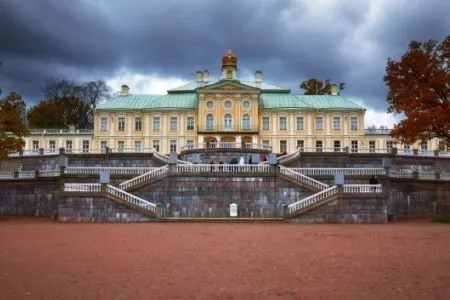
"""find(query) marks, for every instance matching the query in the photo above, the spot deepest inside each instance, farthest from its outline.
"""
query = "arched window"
(228, 122)
(246, 122)
(209, 122)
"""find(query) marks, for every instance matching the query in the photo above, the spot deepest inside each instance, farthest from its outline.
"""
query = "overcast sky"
(159, 44)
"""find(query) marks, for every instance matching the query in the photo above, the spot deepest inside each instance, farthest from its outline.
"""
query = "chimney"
(124, 89)
(258, 76)
(334, 90)
(198, 76)
(205, 76)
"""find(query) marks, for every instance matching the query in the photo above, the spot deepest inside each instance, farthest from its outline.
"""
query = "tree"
(315, 86)
(59, 113)
(95, 91)
(419, 87)
(12, 128)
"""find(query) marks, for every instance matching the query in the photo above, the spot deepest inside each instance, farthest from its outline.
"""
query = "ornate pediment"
(228, 86)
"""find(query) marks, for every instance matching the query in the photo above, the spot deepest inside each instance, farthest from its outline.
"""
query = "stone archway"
(246, 141)
(228, 142)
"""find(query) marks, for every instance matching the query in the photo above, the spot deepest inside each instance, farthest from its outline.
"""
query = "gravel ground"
(41, 259)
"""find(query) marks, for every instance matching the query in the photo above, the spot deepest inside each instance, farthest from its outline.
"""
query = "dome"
(229, 59)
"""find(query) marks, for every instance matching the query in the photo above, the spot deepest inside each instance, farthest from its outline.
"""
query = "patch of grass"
(442, 219)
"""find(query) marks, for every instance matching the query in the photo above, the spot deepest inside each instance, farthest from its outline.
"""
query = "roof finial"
(230, 52)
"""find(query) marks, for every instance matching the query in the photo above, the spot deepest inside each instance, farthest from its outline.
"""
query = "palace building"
(226, 113)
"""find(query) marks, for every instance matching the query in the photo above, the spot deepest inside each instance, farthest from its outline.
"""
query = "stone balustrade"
(345, 171)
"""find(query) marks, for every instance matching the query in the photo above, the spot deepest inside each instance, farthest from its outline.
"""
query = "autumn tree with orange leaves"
(419, 87)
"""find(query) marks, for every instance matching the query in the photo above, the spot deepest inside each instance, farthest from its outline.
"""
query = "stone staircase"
(311, 202)
(145, 178)
(302, 180)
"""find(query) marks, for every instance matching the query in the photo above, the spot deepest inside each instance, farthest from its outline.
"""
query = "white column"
(238, 141)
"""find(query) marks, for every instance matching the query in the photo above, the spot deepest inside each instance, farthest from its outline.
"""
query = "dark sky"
(289, 41)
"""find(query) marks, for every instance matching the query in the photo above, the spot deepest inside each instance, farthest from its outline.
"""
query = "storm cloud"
(290, 41)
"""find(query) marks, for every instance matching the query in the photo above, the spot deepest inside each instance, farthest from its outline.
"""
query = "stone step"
(223, 220)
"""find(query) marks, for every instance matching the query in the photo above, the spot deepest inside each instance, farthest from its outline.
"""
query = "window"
(190, 123)
(104, 124)
(372, 146)
(283, 146)
(138, 124)
(353, 123)
(229, 74)
(156, 123)
(319, 123)
(137, 146)
(120, 146)
(227, 122)
(424, 147)
(228, 105)
(103, 145)
(156, 145)
(246, 122)
(190, 144)
(265, 124)
(266, 144)
(121, 124)
(283, 123)
(336, 123)
(85, 146)
(246, 104)
(337, 146)
(173, 123)
(52, 146)
(406, 148)
(319, 146)
(300, 144)
(354, 146)
(209, 122)
(299, 123)
(210, 104)
(69, 146)
(35, 146)
(173, 146)
(389, 146)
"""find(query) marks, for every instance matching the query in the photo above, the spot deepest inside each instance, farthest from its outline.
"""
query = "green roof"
(263, 86)
(133, 102)
(306, 102)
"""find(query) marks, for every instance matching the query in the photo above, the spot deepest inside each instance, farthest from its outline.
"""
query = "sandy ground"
(41, 259)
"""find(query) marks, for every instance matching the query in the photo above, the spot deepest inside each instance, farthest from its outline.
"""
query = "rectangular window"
(103, 145)
(137, 146)
(156, 145)
(424, 147)
(372, 146)
(300, 144)
(266, 144)
(319, 146)
(336, 123)
(353, 123)
(68, 146)
(406, 148)
(85, 146)
(35, 146)
(283, 123)
(299, 123)
(337, 146)
(52, 146)
(265, 124)
(190, 144)
(389, 146)
(104, 124)
(319, 123)
(354, 146)
(120, 146)
(173, 146)
(173, 123)
(190, 123)
(138, 124)
(121, 124)
(156, 124)
(283, 146)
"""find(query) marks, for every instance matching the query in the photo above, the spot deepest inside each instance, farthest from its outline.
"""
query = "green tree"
(314, 86)
(12, 128)
(419, 87)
